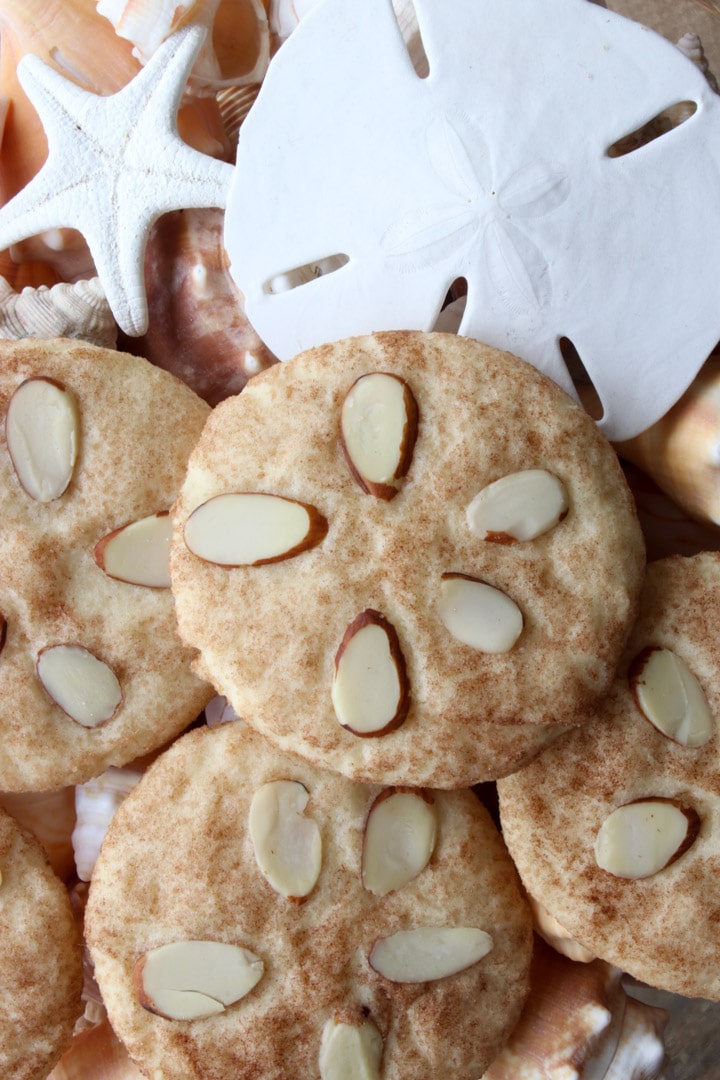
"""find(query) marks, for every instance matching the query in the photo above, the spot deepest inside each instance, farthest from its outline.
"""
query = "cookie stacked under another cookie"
(451, 560)
(40, 960)
(92, 672)
(615, 828)
(251, 915)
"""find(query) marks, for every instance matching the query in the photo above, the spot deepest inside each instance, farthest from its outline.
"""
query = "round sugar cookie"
(40, 962)
(402, 634)
(638, 793)
(92, 672)
(228, 841)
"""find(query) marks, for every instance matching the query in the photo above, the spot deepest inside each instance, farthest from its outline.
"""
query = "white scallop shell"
(77, 310)
(95, 804)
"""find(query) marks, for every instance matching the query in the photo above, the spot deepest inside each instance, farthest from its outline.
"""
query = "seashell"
(96, 1053)
(75, 40)
(681, 452)
(50, 815)
(77, 310)
(95, 804)
(235, 103)
(237, 48)
(640, 1051)
(579, 1023)
(692, 46)
(197, 328)
(219, 711)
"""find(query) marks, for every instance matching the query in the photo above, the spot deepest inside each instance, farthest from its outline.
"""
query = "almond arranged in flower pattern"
(287, 842)
(519, 506)
(251, 529)
(42, 428)
(189, 980)
(671, 697)
(378, 428)
(84, 687)
(429, 952)
(399, 839)
(370, 692)
(138, 553)
(350, 1052)
(643, 837)
(479, 614)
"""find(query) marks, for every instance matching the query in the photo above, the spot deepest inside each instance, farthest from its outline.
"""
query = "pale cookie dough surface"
(179, 863)
(268, 635)
(663, 929)
(40, 960)
(137, 427)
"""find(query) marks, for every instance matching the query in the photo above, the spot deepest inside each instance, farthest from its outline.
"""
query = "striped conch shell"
(579, 1024)
(95, 804)
(77, 310)
(681, 452)
(237, 48)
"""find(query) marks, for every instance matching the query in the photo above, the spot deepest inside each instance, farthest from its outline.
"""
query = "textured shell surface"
(73, 310)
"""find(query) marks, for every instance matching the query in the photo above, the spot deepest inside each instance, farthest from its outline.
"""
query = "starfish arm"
(61, 105)
(154, 95)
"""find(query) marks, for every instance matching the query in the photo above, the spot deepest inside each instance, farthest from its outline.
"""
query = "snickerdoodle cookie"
(251, 915)
(615, 829)
(93, 449)
(408, 557)
(40, 960)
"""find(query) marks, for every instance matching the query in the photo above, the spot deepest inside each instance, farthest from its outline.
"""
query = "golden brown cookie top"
(91, 670)
(614, 829)
(41, 960)
(439, 516)
(227, 840)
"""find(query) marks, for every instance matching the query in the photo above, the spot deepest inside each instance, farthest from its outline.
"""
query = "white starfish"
(115, 164)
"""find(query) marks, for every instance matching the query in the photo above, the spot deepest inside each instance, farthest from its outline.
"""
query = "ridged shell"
(77, 310)
(198, 329)
(237, 48)
(235, 103)
(681, 452)
(95, 804)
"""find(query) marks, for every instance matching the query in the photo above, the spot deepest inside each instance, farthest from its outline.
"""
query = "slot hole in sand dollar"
(409, 27)
(303, 275)
(584, 386)
(662, 124)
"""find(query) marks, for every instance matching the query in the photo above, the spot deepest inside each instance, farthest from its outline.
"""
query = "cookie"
(41, 960)
(331, 899)
(435, 618)
(615, 828)
(92, 672)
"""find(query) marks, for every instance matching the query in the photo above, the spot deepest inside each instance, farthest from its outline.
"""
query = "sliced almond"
(188, 980)
(479, 614)
(251, 529)
(287, 842)
(378, 428)
(519, 506)
(399, 839)
(370, 692)
(350, 1052)
(429, 952)
(42, 428)
(643, 837)
(670, 696)
(139, 552)
(84, 687)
